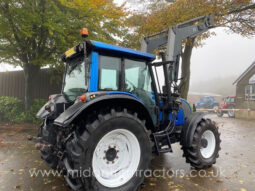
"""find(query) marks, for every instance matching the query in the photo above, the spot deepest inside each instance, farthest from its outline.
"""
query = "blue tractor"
(207, 102)
(113, 113)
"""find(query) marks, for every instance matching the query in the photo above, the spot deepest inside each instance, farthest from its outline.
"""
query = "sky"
(222, 55)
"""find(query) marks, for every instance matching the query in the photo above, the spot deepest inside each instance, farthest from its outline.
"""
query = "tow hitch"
(34, 139)
(40, 145)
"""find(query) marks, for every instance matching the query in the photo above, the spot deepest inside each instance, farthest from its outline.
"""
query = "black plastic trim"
(75, 110)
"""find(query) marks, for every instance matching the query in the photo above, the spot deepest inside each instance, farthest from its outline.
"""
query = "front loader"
(113, 113)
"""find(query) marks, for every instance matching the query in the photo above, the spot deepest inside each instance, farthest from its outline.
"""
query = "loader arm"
(173, 37)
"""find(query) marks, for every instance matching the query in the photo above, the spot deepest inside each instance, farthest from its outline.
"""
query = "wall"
(249, 115)
(240, 98)
(240, 92)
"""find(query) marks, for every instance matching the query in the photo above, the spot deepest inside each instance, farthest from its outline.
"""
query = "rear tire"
(231, 114)
(115, 146)
(205, 145)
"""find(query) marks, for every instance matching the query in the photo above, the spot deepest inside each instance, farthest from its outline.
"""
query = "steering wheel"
(133, 88)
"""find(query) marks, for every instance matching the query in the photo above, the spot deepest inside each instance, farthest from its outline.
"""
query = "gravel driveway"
(234, 170)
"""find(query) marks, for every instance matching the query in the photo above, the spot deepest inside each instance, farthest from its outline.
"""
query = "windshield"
(230, 100)
(76, 78)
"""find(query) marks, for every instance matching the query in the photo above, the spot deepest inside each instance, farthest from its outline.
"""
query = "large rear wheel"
(116, 148)
(219, 112)
(231, 112)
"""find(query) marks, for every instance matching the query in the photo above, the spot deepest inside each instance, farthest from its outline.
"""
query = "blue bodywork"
(94, 72)
(125, 93)
(180, 116)
(108, 48)
(206, 102)
(99, 47)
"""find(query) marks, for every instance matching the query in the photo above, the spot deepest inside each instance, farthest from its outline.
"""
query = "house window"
(253, 88)
(250, 92)
(252, 80)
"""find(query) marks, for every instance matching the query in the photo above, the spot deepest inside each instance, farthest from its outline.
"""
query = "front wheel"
(116, 148)
(205, 146)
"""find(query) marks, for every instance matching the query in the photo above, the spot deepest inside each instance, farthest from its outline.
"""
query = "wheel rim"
(116, 158)
(208, 144)
(231, 112)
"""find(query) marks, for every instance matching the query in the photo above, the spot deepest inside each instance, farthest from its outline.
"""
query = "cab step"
(162, 142)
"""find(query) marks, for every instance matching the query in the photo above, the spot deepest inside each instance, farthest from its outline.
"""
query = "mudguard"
(67, 117)
(190, 127)
(185, 106)
(56, 103)
(42, 113)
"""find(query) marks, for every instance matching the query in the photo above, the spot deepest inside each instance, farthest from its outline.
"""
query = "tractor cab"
(227, 101)
(108, 69)
(105, 68)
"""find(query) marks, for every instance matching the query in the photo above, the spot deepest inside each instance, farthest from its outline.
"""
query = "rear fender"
(42, 113)
(80, 108)
(56, 102)
(189, 128)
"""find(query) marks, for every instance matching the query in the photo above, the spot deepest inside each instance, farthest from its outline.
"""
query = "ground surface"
(234, 171)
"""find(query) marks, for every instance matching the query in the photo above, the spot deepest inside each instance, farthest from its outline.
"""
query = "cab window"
(109, 72)
(138, 82)
(137, 76)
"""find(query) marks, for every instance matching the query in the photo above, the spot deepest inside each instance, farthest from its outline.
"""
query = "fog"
(222, 55)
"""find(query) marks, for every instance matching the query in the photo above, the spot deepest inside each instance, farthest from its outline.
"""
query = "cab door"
(138, 82)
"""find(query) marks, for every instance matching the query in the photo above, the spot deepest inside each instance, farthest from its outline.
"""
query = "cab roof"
(112, 49)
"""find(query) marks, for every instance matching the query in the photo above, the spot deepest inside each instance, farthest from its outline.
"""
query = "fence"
(13, 84)
(239, 113)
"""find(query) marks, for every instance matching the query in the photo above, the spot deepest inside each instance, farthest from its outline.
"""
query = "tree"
(34, 33)
(236, 15)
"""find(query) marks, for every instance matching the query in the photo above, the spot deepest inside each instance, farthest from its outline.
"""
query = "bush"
(12, 110)
(30, 116)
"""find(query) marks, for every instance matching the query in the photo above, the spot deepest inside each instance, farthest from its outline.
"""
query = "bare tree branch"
(242, 9)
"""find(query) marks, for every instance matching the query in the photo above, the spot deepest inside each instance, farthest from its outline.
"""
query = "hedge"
(12, 110)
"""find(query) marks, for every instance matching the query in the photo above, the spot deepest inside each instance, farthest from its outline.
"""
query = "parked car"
(207, 102)
(229, 104)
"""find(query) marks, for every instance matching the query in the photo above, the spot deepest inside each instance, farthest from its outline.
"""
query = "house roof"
(245, 73)
(121, 50)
